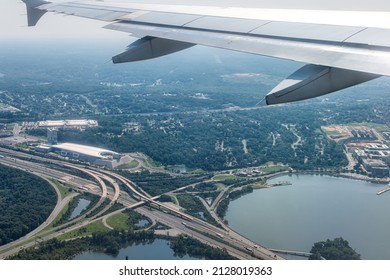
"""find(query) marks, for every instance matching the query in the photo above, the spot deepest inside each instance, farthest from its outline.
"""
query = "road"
(351, 161)
(234, 243)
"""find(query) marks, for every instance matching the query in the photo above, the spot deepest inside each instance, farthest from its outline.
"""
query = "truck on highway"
(249, 249)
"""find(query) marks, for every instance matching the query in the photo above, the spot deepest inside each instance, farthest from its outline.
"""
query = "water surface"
(158, 250)
(316, 208)
(81, 205)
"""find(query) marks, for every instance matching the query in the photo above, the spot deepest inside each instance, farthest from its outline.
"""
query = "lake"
(158, 250)
(316, 208)
(81, 205)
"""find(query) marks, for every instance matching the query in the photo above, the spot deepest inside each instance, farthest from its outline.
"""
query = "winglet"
(33, 13)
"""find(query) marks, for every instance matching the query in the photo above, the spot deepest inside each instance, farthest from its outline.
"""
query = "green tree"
(337, 249)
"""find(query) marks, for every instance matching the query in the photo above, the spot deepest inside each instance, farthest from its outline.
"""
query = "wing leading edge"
(337, 56)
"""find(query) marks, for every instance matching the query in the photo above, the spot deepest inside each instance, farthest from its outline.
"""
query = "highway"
(45, 173)
(351, 160)
(230, 237)
(234, 243)
(42, 169)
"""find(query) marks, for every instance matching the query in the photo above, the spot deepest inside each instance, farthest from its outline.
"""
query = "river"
(316, 208)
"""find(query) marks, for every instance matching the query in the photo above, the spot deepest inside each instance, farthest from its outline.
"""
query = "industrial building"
(376, 167)
(360, 154)
(376, 147)
(52, 137)
(380, 172)
(363, 134)
(93, 155)
(90, 154)
(81, 124)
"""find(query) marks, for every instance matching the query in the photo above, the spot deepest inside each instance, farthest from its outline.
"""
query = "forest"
(224, 204)
(336, 249)
(180, 139)
(112, 241)
(183, 245)
(109, 243)
(194, 207)
(195, 108)
(26, 201)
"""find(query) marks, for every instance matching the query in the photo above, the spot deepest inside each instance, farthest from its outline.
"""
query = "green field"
(224, 177)
(64, 190)
(379, 127)
(274, 169)
(331, 132)
(152, 163)
(85, 231)
(119, 221)
(132, 164)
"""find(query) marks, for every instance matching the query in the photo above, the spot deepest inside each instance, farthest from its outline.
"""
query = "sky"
(13, 22)
(13, 25)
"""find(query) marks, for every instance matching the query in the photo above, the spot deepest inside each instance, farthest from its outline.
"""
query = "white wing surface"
(341, 49)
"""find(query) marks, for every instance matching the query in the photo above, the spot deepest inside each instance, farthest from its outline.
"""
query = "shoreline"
(369, 194)
(320, 173)
(353, 176)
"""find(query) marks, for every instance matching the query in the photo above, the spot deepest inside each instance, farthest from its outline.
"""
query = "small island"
(337, 249)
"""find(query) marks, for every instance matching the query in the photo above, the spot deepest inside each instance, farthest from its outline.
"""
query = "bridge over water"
(289, 252)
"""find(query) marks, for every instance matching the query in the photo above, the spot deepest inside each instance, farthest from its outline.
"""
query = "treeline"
(134, 218)
(224, 204)
(183, 245)
(204, 187)
(109, 243)
(194, 207)
(222, 208)
(181, 138)
(26, 201)
(209, 195)
(336, 249)
(238, 193)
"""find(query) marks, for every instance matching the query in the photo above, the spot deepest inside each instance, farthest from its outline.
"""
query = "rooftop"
(86, 150)
(67, 123)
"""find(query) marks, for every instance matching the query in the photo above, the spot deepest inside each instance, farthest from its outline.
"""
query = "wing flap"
(332, 54)
(162, 18)
(87, 12)
(371, 37)
(307, 31)
(226, 24)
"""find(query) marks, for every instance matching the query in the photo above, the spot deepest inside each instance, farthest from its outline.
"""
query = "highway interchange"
(106, 184)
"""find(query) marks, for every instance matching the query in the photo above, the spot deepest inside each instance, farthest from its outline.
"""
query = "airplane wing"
(337, 55)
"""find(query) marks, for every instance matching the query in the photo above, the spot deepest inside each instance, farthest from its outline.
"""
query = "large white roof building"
(68, 123)
(86, 150)
(85, 153)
